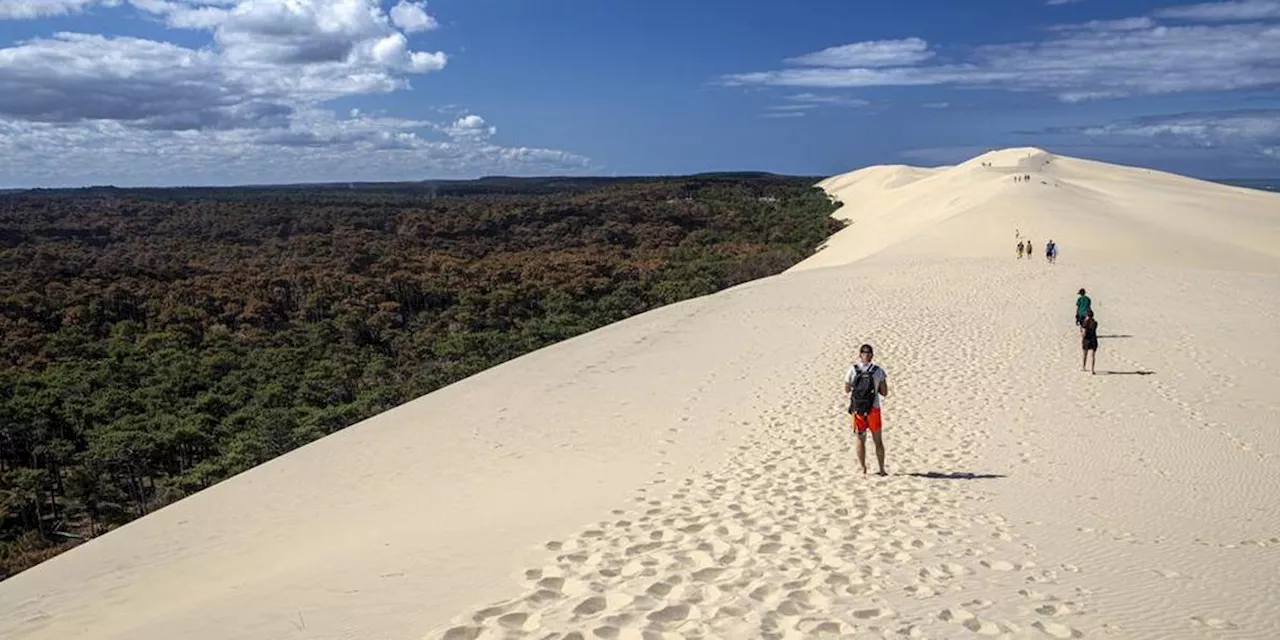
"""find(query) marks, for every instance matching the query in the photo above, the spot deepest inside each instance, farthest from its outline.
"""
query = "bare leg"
(862, 451)
(1084, 362)
(875, 435)
(1094, 362)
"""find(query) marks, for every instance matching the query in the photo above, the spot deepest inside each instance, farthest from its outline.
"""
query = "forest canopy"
(157, 341)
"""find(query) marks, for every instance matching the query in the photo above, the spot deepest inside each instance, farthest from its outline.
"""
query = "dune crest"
(1092, 210)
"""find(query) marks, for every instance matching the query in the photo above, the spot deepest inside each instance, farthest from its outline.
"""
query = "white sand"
(693, 469)
(1096, 212)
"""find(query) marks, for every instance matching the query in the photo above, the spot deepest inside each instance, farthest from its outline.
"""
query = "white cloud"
(783, 114)
(247, 106)
(1239, 10)
(1059, 2)
(1252, 127)
(1077, 62)
(412, 17)
(315, 147)
(27, 9)
(306, 31)
(1124, 24)
(299, 51)
(875, 53)
(814, 99)
(74, 76)
(188, 14)
(1243, 137)
(469, 127)
(936, 105)
(849, 78)
(250, 104)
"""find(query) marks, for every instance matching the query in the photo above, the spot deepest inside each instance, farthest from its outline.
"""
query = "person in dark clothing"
(867, 418)
(1089, 341)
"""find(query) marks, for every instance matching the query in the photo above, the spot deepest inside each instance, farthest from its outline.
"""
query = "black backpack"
(864, 391)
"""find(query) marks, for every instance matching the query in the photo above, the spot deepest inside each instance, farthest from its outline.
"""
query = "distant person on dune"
(865, 383)
(1089, 341)
(1049, 251)
(1083, 306)
(1020, 247)
(1029, 250)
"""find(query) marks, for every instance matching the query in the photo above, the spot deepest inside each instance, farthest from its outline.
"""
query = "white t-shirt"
(879, 375)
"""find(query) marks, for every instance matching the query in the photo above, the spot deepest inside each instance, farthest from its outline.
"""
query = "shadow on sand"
(1139, 372)
(1116, 335)
(956, 475)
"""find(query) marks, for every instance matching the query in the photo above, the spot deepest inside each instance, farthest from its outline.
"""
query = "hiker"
(866, 383)
(1029, 250)
(1020, 245)
(1083, 306)
(1049, 250)
(1089, 341)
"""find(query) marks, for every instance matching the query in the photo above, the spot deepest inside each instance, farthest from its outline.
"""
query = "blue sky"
(171, 92)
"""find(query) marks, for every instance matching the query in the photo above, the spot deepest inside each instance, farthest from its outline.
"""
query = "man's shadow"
(1139, 372)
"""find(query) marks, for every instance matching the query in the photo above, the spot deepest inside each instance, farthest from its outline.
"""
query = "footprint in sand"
(1214, 623)
(1057, 630)
(983, 627)
(463, 633)
(1000, 565)
(1053, 610)
(955, 614)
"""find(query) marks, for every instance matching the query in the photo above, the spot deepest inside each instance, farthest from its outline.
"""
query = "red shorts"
(870, 421)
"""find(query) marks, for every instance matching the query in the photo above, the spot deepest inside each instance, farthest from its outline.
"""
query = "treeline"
(158, 341)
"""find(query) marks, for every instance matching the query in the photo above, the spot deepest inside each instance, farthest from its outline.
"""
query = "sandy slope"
(689, 472)
(1093, 210)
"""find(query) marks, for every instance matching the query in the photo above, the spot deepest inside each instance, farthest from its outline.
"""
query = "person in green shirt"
(1083, 305)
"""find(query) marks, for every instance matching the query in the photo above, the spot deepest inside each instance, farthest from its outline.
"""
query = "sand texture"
(689, 472)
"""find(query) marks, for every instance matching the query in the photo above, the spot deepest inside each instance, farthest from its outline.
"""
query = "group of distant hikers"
(1025, 247)
(866, 382)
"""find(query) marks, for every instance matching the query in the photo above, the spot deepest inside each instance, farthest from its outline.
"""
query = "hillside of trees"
(157, 341)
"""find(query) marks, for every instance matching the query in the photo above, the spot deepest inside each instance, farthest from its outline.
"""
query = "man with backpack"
(866, 383)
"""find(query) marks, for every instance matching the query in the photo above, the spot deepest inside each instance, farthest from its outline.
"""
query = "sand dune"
(1092, 210)
(690, 473)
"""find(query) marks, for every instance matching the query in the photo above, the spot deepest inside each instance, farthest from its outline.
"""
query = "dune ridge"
(689, 472)
(1092, 210)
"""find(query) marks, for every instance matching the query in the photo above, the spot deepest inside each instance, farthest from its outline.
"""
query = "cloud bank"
(247, 107)
(1229, 46)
